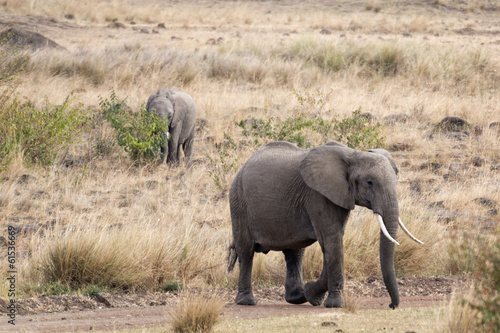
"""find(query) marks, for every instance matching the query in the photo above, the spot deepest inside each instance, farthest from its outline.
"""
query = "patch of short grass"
(399, 320)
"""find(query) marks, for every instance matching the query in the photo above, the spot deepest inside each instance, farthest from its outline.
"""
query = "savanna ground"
(94, 230)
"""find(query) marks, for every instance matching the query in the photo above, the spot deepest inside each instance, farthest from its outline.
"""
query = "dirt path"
(143, 317)
(107, 312)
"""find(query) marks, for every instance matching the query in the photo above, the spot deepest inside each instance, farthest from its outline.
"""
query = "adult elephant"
(285, 198)
(180, 110)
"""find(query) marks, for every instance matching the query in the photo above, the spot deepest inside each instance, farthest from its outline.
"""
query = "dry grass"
(197, 313)
(148, 225)
(461, 318)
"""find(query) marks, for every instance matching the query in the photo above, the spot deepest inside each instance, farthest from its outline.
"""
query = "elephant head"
(347, 178)
(163, 102)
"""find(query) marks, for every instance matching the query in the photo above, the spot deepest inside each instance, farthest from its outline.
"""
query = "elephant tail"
(231, 258)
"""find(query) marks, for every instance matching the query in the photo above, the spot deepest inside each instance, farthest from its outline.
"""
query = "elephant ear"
(325, 169)
(150, 100)
(385, 153)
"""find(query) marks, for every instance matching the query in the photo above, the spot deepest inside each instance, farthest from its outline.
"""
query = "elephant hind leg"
(294, 288)
(245, 294)
(187, 147)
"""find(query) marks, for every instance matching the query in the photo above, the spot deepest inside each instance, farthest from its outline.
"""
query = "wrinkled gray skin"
(285, 198)
(180, 109)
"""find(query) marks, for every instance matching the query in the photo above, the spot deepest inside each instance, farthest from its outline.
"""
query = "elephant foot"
(296, 296)
(312, 295)
(334, 301)
(245, 299)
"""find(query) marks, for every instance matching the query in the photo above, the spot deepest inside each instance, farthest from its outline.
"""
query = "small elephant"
(180, 110)
(285, 198)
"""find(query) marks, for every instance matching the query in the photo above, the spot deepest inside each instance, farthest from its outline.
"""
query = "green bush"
(225, 164)
(141, 134)
(311, 126)
(487, 284)
(92, 290)
(172, 286)
(40, 133)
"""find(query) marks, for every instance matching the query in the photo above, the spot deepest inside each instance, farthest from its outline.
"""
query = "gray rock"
(457, 136)
(27, 39)
(395, 118)
(453, 124)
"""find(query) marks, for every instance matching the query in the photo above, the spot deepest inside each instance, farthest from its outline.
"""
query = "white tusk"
(384, 230)
(408, 233)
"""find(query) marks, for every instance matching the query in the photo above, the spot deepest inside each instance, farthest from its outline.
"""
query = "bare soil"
(107, 311)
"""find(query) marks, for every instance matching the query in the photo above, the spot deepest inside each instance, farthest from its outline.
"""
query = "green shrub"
(225, 164)
(52, 288)
(172, 286)
(310, 127)
(39, 133)
(92, 290)
(478, 255)
(141, 134)
(487, 284)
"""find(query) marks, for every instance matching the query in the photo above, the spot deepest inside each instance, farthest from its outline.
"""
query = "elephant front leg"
(164, 148)
(315, 291)
(245, 294)
(331, 279)
(334, 258)
(294, 288)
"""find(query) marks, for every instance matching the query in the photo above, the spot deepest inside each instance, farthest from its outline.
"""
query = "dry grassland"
(108, 222)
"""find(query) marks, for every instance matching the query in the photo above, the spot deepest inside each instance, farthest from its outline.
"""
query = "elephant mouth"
(401, 224)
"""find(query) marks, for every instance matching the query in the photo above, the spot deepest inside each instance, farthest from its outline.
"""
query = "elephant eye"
(369, 182)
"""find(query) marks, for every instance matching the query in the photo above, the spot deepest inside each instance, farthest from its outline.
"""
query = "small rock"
(69, 16)
(457, 136)
(175, 38)
(367, 115)
(161, 25)
(117, 25)
(495, 126)
(152, 184)
(401, 146)
(395, 118)
(26, 179)
(40, 195)
(486, 202)
(124, 203)
(155, 31)
(476, 131)
(325, 31)
(407, 34)
(144, 31)
(329, 323)
(437, 204)
(432, 166)
(453, 124)
(477, 161)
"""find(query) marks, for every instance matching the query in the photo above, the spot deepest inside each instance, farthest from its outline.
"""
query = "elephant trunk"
(387, 257)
